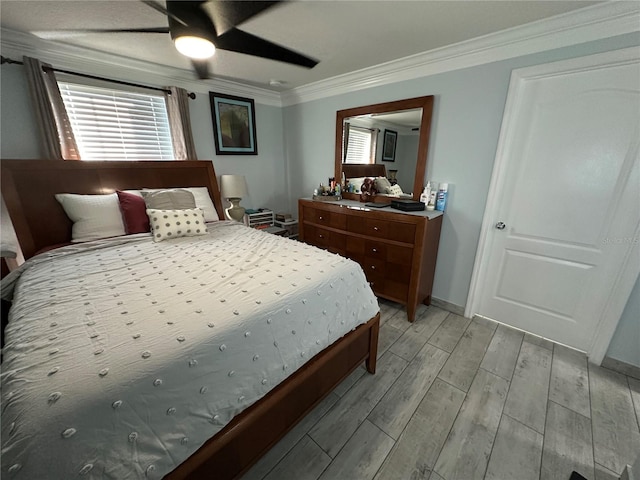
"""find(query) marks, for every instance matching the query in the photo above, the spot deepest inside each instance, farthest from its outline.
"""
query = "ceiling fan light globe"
(195, 47)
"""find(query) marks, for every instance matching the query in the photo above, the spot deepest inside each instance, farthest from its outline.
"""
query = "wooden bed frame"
(372, 170)
(28, 188)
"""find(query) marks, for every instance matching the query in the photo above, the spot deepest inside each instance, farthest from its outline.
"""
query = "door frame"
(627, 277)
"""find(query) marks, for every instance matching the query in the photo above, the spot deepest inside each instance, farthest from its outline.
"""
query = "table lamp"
(234, 187)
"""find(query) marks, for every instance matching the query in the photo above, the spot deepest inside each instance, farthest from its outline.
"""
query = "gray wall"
(467, 115)
(18, 130)
(265, 172)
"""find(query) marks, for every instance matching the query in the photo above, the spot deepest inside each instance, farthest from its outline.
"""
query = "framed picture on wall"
(389, 146)
(234, 124)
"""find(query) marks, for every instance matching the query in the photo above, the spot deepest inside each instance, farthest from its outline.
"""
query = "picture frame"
(234, 124)
(389, 146)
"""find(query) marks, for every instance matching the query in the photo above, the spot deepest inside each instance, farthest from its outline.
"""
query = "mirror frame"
(426, 103)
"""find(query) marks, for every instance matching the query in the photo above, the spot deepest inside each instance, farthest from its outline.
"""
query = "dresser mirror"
(397, 132)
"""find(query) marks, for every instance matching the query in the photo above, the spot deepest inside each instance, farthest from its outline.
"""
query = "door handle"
(500, 225)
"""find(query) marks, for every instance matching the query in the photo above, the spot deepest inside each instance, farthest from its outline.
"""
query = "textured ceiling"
(343, 35)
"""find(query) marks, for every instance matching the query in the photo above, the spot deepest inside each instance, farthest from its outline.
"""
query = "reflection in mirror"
(388, 140)
(385, 138)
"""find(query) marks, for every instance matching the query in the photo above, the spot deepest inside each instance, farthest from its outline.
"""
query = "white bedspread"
(124, 356)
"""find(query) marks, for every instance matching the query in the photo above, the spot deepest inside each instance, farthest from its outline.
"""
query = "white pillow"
(203, 201)
(93, 216)
(200, 195)
(395, 190)
(166, 224)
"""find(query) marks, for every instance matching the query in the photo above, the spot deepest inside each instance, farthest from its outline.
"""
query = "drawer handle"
(374, 250)
(321, 236)
(373, 267)
(321, 217)
(376, 228)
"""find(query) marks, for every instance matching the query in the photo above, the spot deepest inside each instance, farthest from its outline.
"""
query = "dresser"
(397, 250)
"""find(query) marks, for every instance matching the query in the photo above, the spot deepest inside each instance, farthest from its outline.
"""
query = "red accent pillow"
(134, 213)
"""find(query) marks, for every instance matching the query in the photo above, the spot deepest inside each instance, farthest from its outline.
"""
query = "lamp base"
(235, 211)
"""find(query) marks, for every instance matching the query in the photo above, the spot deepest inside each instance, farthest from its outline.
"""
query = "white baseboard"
(622, 367)
(448, 306)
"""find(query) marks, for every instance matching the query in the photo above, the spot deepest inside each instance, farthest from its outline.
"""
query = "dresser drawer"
(373, 268)
(400, 255)
(388, 288)
(391, 289)
(361, 247)
(325, 218)
(397, 273)
(399, 231)
(320, 237)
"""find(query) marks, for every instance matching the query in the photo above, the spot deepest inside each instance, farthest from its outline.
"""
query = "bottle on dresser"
(426, 193)
(441, 198)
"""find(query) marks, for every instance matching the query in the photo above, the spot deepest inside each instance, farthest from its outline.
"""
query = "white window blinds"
(117, 125)
(360, 146)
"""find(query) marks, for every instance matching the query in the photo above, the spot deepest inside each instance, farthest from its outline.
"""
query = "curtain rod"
(4, 60)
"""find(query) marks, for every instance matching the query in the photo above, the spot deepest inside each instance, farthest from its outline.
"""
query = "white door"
(558, 255)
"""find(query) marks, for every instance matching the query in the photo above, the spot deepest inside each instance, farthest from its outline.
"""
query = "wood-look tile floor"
(455, 399)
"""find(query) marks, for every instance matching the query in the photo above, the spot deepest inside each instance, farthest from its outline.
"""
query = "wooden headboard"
(29, 186)
(372, 170)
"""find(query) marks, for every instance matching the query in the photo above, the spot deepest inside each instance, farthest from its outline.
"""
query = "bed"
(181, 354)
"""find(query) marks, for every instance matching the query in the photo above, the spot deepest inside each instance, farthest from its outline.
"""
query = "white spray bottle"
(424, 197)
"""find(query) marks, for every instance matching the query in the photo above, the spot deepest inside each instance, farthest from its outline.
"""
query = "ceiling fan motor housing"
(189, 19)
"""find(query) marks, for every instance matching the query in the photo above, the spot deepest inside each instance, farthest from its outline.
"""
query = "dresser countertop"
(355, 205)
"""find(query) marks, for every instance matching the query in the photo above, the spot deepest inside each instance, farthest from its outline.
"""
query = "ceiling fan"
(197, 35)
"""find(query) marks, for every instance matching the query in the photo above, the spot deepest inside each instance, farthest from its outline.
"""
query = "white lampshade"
(233, 186)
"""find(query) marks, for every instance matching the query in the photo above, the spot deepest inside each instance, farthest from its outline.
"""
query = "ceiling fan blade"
(132, 30)
(164, 11)
(202, 68)
(61, 34)
(228, 14)
(238, 41)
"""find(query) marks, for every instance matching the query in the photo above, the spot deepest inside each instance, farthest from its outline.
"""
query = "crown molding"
(587, 24)
(597, 22)
(15, 44)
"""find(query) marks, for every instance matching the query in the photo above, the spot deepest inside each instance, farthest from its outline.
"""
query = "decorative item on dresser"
(396, 250)
(234, 187)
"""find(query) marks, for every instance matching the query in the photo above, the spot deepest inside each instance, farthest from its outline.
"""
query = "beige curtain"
(374, 144)
(345, 140)
(180, 124)
(51, 114)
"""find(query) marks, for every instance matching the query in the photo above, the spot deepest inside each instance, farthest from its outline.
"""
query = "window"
(117, 125)
(362, 145)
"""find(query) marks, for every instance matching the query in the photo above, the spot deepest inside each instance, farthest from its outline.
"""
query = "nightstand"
(290, 227)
